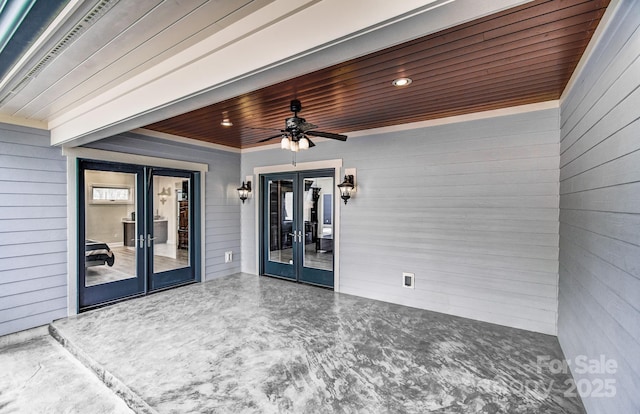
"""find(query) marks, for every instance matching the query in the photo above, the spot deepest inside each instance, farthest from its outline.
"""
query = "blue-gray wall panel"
(33, 230)
(471, 208)
(599, 297)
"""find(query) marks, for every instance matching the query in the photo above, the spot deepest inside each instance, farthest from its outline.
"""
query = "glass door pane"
(280, 229)
(318, 223)
(317, 211)
(170, 222)
(110, 223)
(111, 256)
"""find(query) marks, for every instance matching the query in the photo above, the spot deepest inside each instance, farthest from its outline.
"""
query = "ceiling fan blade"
(327, 135)
(264, 129)
(311, 143)
(272, 137)
(306, 126)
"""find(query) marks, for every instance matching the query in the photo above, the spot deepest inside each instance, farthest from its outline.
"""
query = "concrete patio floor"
(38, 375)
(248, 344)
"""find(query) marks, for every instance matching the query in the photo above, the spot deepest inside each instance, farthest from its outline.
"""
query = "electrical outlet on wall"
(408, 280)
(228, 257)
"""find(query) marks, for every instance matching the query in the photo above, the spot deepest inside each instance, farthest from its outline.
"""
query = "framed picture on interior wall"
(326, 212)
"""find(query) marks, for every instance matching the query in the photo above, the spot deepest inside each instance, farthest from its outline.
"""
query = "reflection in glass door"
(111, 228)
(137, 224)
(171, 225)
(318, 220)
(298, 226)
(281, 234)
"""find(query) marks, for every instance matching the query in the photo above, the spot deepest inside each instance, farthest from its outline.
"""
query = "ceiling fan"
(295, 135)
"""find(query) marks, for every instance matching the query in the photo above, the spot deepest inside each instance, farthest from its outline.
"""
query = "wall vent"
(88, 20)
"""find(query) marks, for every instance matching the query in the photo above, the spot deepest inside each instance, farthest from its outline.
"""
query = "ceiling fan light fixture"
(400, 82)
(294, 136)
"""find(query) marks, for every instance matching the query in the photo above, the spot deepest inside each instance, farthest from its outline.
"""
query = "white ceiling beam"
(285, 39)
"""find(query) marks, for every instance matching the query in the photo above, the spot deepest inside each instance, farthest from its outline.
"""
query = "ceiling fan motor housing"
(296, 106)
(297, 128)
(293, 124)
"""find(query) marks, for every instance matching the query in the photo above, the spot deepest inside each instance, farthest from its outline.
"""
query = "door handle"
(296, 236)
(141, 242)
(149, 240)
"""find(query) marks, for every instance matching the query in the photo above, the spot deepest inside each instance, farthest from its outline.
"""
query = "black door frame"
(91, 296)
(144, 282)
(171, 278)
(298, 272)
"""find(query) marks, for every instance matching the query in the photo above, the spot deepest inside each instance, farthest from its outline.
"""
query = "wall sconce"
(244, 191)
(346, 187)
(166, 192)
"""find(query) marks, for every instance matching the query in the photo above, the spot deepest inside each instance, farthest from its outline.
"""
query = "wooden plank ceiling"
(519, 56)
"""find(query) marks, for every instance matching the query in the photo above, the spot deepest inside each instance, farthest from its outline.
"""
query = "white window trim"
(128, 201)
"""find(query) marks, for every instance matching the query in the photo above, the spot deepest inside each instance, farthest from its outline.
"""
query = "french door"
(136, 227)
(298, 226)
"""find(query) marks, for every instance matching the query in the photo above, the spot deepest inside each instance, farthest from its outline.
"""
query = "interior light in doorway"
(166, 192)
(244, 191)
(346, 188)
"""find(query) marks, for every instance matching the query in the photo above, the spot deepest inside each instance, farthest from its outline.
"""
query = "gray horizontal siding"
(33, 230)
(471, 208)
(599, 297)
(222, 209)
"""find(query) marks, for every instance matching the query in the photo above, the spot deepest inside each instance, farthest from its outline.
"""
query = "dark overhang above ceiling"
(22, 22)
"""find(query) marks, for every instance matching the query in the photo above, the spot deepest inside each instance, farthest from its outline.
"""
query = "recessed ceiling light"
(401, 82)
(226, 122)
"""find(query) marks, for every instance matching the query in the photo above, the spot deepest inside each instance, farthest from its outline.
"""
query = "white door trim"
(336, 165)
(73, 154)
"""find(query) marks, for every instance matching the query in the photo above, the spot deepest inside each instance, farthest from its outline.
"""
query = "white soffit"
(282, 37)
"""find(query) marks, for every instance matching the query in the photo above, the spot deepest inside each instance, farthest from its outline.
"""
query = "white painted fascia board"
(234, 54)
(231, 51)
(514, 110)
(31, 123)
